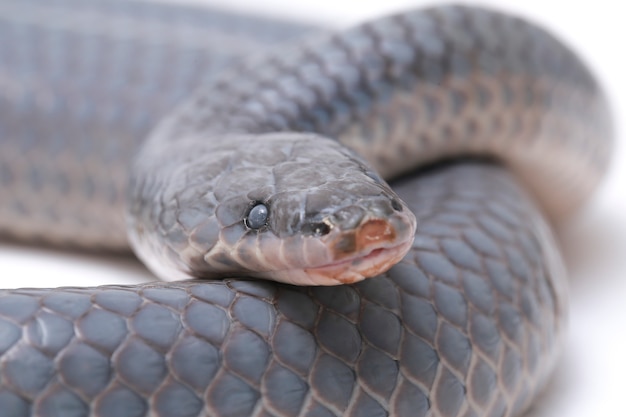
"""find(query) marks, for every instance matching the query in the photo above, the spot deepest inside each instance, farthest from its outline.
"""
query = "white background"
(590, 379)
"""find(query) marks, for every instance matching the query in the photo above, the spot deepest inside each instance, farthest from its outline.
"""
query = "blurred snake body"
(271, 170)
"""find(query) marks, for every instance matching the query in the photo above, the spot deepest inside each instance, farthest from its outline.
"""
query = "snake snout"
(362, 231)
(366, 240)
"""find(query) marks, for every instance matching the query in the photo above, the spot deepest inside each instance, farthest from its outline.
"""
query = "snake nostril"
(396, 205)
(317, 228)
(320, 229)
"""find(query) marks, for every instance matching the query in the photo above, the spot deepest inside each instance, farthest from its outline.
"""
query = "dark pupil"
(257, 217)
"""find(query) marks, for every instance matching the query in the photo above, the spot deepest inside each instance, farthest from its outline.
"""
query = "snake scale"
(504, 124)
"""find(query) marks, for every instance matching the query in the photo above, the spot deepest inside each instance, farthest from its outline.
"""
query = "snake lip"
(356, 268)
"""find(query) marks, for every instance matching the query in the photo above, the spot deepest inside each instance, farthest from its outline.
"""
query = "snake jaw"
(357, 268)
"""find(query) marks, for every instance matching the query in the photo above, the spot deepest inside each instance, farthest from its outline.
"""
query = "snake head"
(291, 207)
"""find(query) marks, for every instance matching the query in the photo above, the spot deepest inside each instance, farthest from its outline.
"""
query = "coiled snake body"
(468, 323)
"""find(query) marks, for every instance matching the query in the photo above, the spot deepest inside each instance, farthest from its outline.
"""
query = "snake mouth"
(365, 251)
(359, 267)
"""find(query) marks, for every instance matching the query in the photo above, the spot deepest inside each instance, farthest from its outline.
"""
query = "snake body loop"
(468, 323)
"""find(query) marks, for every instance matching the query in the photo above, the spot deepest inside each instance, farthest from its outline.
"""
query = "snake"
(245, 160)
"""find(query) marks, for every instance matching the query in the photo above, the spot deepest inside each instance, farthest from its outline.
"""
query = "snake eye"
(257, 217)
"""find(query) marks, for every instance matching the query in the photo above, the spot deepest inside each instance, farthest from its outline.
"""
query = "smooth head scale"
(292, 207)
